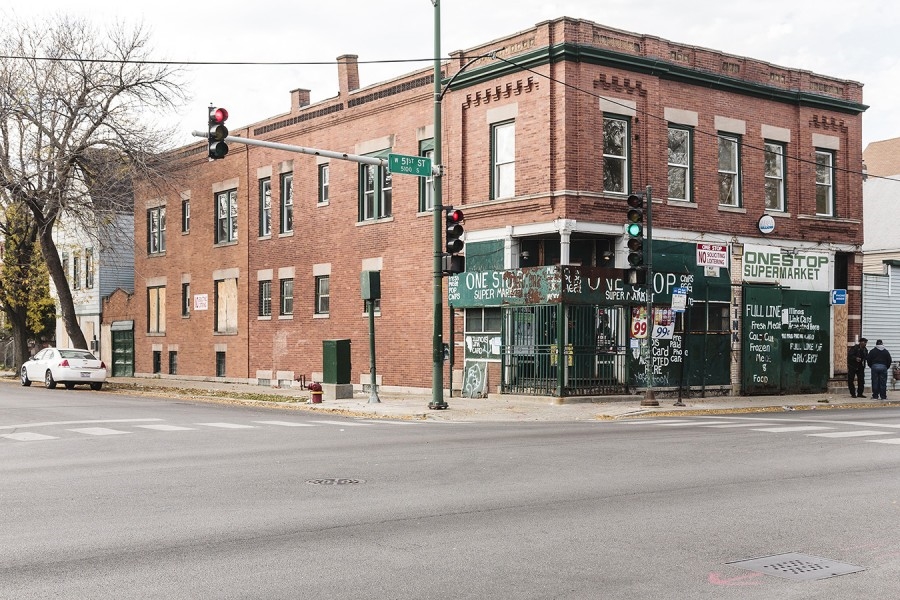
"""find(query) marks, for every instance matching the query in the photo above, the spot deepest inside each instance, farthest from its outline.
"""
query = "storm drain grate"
(796, 566)
(334, 481)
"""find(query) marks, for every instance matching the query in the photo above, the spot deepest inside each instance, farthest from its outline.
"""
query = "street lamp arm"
(458, 73)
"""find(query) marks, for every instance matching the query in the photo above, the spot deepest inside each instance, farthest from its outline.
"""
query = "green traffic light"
(634, 229)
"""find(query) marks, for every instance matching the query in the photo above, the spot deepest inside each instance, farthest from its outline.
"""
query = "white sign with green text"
(796, 269)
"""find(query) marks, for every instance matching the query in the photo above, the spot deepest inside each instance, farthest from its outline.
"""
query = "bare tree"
(75, 103)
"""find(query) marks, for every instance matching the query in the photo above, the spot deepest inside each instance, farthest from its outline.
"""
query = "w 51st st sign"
(404, 164)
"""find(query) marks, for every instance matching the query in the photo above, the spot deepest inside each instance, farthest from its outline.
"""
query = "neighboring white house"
(881, 201)
(96, 248)
(97, 262)
(881, 248)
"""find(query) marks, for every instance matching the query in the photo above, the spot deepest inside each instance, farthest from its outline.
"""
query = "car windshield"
(82, 354)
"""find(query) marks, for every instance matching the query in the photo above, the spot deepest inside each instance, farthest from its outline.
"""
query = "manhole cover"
(334, 481)
(796, 566)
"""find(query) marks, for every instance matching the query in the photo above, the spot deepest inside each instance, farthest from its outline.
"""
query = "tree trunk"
(58, 276)
(18, 321)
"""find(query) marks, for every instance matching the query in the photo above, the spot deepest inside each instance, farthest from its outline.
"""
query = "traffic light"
(634, 228)
(217, 133)
(453, 244)
(454, 230)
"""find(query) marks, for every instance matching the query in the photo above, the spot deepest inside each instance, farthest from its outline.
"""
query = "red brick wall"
(558, 175)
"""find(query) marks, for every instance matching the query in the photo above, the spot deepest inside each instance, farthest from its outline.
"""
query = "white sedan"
(68, 366)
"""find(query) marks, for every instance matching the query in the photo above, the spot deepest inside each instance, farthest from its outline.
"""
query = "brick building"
(245, 265)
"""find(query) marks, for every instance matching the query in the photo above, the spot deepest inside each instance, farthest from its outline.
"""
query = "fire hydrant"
(315, 392)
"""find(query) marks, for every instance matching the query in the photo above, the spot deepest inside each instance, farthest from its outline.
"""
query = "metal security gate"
(122, 350)
(589, 361)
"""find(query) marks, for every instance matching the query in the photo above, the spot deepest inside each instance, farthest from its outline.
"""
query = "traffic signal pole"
(437, 338)
(649, 395)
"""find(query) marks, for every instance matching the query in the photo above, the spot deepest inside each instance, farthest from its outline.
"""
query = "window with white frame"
(156, 230)
(76, 271)
(323, 294)
(287, 297)
(185, 299)
(265, 298)
(774, 174)
(375, 191)
(226, 216)
(616, 165)
(287, 203)
(679, 153)
(89, 268)
(156, 309)
(185, 215)
(503, 160)
(824, 183)
(426, 184)
(323, 183)
(265, 207)
(729, 170)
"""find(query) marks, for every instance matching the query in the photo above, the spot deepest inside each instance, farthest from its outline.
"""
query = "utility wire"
(212, 62)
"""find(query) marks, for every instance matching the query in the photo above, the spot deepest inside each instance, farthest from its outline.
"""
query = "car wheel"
(25, 381)
(69, 385)
(49, 382)
(97, 386)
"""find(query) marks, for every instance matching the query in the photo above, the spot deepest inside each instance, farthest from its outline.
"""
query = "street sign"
(839, 296)
(679, 299)
(404, 164)
(712, 255)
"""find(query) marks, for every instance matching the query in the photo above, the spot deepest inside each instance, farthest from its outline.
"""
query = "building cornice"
(650, 66)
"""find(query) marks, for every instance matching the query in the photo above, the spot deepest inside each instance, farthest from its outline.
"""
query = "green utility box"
(335, 361)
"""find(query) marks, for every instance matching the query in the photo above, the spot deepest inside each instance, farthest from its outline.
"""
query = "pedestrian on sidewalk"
(856, 368)
(879, 362)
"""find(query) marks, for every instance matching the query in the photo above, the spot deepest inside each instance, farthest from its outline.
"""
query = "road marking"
(58, 423)
(890, 441)
(680, 423)
(227, 425)
(27, 436)
(98, 431)
(848, 434)
(343, 423)
(166, 427)
(643, 421)
(791, 429)
(285, 423)
(729, 425)
(387, 422)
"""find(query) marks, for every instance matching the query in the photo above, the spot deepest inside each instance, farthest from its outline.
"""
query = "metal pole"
(437, 341)
(649, 395)
(366, 160)
(373, 392)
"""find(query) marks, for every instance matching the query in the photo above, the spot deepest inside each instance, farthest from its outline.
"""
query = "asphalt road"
(109, 496)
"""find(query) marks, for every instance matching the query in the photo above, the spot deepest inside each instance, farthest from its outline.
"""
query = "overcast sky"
(848, 40)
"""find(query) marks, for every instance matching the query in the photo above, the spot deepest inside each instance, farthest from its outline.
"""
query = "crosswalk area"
(877, 433)
(37, 432)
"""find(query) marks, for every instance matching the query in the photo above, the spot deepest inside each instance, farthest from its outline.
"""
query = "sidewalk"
(495, 408)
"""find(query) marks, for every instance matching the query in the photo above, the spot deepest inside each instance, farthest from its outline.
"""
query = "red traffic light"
(217, 116)
(455, 216)
(217, 133)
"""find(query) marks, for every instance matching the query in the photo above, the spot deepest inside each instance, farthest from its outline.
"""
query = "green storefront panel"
(336, 361)
(787, 347)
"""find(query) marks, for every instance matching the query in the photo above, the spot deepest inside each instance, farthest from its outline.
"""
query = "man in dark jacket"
(856, 368)
(879, 362)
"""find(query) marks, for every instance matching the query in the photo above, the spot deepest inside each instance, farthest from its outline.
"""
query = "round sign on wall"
(766, 224)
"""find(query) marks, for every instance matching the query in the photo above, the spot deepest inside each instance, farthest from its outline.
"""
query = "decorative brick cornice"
(828, 124)
(499, 92)
(626, 86)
